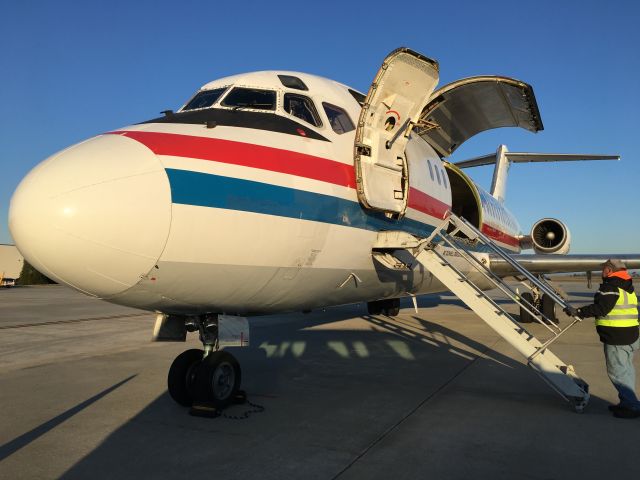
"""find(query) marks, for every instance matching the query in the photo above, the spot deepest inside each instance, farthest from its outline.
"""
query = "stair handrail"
(523, 271)
(497, 281)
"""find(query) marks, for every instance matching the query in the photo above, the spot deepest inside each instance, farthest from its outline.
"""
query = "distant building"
(10, 264)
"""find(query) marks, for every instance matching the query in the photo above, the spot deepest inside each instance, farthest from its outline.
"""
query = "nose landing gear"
(209, 379)
(216, 381)
(389, 307)
(182, 375)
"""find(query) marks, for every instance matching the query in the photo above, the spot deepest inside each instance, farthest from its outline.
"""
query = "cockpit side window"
(204, 99)
(250, 98)
(358, 96)
(302, 107)
(338, 118)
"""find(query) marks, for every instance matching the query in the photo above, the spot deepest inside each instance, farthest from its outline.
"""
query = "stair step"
(552, 370)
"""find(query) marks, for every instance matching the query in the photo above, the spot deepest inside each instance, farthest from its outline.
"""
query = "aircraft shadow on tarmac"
(26, 438)
(435, 300)
(328, 393)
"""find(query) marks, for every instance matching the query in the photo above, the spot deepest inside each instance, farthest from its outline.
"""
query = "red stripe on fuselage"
(424, 203)
(247, 155)
(499, 236)
(275, 160)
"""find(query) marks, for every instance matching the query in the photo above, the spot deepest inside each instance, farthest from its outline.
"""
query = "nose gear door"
(399, 92)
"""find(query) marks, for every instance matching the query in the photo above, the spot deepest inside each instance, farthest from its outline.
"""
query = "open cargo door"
(462, 109)
(399, 92)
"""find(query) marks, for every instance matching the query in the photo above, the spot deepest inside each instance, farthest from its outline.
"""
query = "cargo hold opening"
(464, 197)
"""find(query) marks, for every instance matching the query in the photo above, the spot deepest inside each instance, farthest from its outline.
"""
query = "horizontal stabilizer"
(503, 157)
(525, 157)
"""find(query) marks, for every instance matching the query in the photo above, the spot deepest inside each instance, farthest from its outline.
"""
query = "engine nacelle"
(549, 235)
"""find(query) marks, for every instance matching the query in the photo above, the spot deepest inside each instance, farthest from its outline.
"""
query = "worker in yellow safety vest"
(615, 308)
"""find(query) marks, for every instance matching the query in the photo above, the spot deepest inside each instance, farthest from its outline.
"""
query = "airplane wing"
(545, 264)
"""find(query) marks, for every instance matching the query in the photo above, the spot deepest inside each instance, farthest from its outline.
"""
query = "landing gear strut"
(204, 377)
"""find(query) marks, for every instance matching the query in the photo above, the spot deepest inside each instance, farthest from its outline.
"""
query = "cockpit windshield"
(241, 97)
(204, 99)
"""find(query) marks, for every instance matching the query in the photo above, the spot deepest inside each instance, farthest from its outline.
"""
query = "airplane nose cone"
(95, 216)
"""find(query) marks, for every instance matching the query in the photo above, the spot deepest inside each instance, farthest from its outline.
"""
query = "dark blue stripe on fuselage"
(207, 190)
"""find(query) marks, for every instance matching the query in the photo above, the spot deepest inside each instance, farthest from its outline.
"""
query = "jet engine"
(549, 235)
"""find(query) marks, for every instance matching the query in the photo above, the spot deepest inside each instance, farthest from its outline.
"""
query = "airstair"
(448, 252)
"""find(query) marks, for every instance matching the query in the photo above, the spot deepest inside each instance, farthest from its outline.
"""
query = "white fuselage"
(247, 213)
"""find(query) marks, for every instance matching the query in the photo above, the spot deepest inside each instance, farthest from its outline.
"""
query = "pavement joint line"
(414, 410)
(77, 320)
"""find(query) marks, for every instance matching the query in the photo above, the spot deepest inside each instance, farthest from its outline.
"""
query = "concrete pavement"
(430, 395)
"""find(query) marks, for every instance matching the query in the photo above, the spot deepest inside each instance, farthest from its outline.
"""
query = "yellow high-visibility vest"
(624, 312)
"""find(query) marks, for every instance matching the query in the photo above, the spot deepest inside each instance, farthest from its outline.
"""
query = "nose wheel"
(217, 380)
(205, 377)
(181, 378)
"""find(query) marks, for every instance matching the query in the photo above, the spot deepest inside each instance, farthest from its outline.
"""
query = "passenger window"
(444, 179)
(302, 107)
(438, 175)
(251, 98)
(338, 118)
(204, 99)
(430, 170)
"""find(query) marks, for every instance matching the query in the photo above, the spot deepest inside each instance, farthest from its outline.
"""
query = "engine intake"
(550, 235)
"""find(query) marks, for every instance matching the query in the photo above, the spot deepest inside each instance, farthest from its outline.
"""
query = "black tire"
(549, 308)
(526, 317)
(218, 380)
(181, 376)
(392, 308)
(392, 312)
(375, 307)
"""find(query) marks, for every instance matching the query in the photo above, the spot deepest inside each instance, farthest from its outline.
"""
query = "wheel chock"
(240, 398)
(204, 410)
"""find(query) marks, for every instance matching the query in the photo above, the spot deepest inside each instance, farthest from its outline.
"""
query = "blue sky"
(71, 70)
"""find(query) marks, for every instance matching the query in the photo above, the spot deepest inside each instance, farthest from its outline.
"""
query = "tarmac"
(434, 394)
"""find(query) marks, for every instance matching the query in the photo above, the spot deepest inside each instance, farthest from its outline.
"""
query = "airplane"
(265, 193)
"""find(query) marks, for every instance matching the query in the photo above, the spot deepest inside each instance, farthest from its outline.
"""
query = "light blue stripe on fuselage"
(207, 190)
